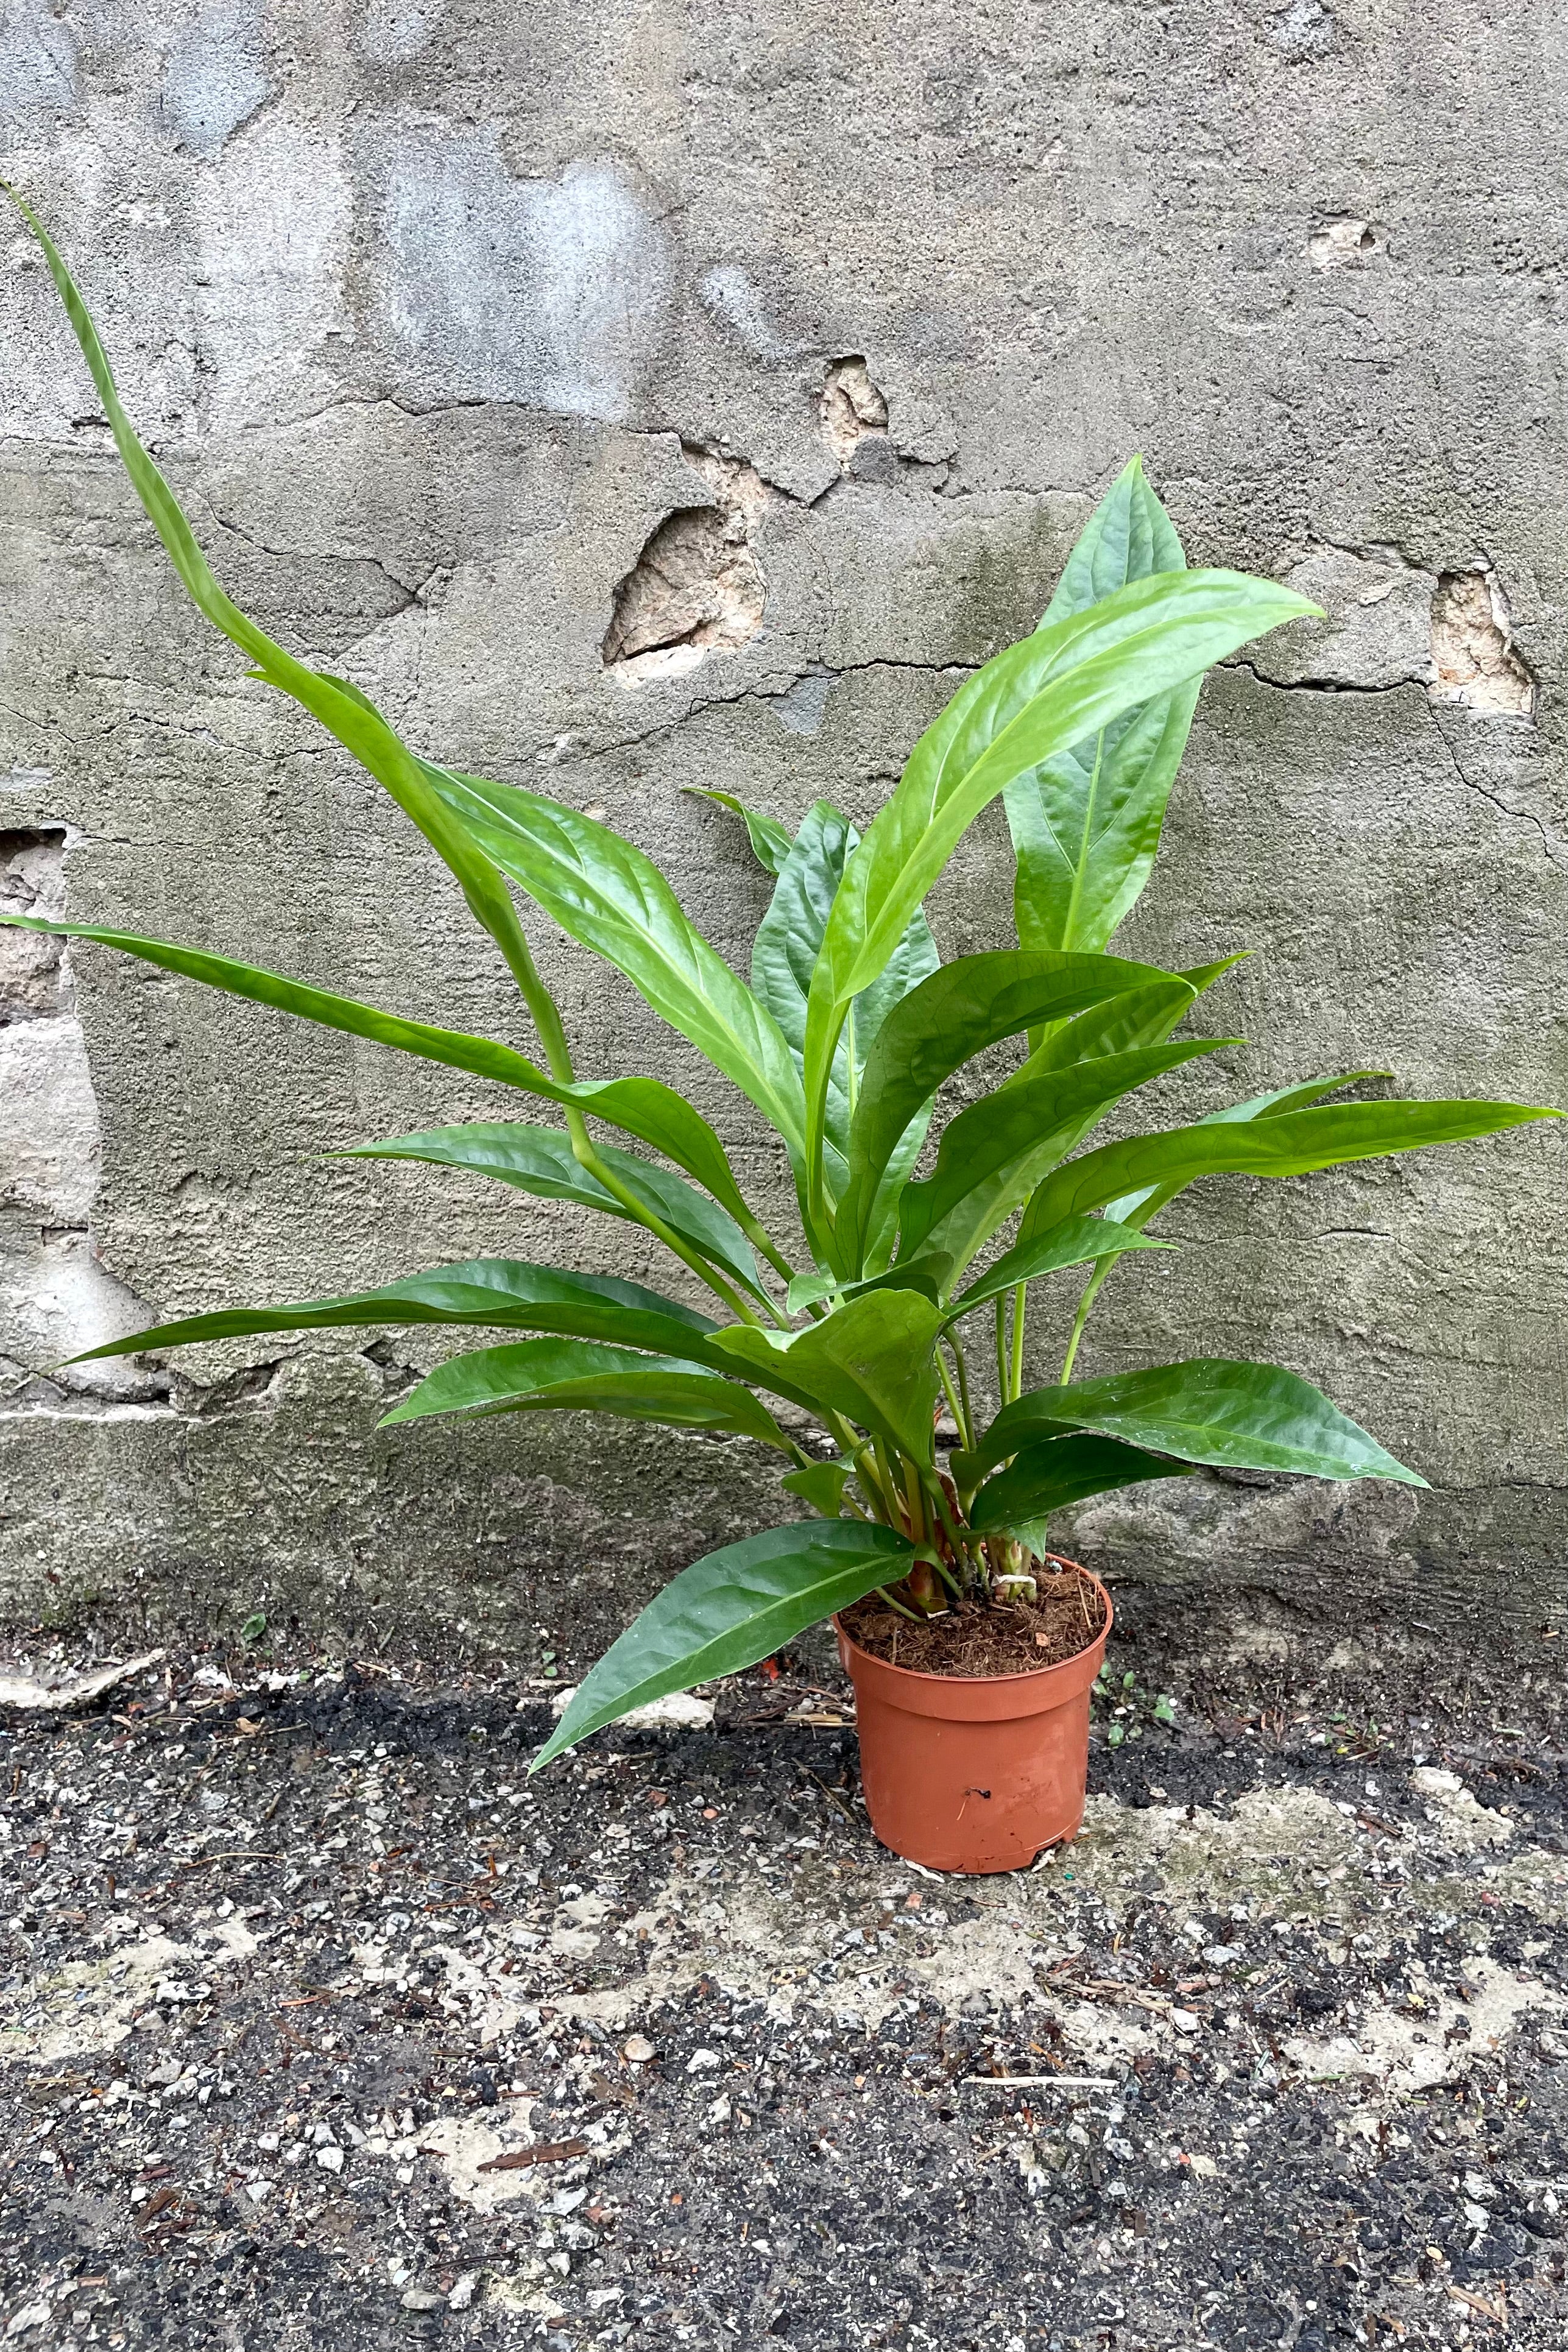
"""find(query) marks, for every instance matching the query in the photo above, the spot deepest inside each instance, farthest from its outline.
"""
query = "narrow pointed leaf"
(645, 1108)
(784, 956)
(1086, 823)
(540, 1159)
(963, 1007)
(1237, 1416)
(504, 1292)
(1139, 1207)
(1077, 1240)
(1294, 1145)
(874, 1360)
(1037, 698)
(769, 839)
(1012, 1135)
(343, 709)
(574, 1375)
(724, 1613)
(1046, 1478)
(613, 899)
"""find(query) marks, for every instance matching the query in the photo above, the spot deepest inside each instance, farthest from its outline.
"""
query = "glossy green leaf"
(784, 955)
(874, 1360)
(1010, 1136)
(1293, 1145)
(929, 1274)
(343, 709)
(1047, 1477)
(724, 1613)
(645, 1108)
(1077, 1240)
(956, 1014)
(1086, 823)
(821, 1485)
(1144, 1016)
(1139, 1207)
(540, 1160)
(769, 839)
(504, 1292)
(575, 1375)
(613, 899)
(1235, 1416)
(1037, 698)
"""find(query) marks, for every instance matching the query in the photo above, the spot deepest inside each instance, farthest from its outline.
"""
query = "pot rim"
(994, 1681)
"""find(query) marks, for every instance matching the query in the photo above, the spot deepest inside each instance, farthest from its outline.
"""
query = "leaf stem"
(1020, 1309)
(1092, 1290)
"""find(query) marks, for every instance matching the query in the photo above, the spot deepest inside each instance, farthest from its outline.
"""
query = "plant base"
(973, 1773)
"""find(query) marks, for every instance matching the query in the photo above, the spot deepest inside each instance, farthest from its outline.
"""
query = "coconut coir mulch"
(976, 1638)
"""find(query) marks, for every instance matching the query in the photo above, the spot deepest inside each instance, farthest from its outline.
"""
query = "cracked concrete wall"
(438, 312)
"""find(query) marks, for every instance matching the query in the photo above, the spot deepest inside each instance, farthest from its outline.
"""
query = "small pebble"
(637, 2051)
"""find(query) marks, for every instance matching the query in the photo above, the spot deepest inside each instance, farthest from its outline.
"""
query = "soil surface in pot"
(976, 1638)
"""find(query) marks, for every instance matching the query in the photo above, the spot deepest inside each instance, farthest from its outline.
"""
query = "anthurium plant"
(923, 1244)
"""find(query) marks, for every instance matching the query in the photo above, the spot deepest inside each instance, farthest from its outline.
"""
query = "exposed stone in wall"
(55, 1298)
(1473, 655)
(852, 410)
(1340, 241)
(698, 586)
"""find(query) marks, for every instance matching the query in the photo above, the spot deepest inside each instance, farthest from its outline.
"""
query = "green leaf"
(821, 1485)
(956, 1014)
(645, 1108)
(930, 1275)
(784, 955)
(1139, 1207)
(874, 1360)
(1037, 698)
(1237, 1416)
(489, 1290)
(1293, 1145)
(613, 899)
(770, 839)
(1046, 1478)
(1086, 823)
(1010, 1136)
(341, 708)
(540, 1159)
(1075, 1242)
(572, 1375)
(1144, 1016)
(726, 1611)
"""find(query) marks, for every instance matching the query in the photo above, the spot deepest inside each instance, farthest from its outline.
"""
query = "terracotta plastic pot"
(975, 1772)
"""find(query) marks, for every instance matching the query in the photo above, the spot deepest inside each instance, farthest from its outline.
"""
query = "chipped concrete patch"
(88, 2006)
(1474, 660)
(698, 586)
(1407, 2055)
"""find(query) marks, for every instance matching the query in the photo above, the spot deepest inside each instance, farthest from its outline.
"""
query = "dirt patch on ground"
(974, 1638)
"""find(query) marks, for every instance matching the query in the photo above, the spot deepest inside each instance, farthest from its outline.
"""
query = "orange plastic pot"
(975, 1772)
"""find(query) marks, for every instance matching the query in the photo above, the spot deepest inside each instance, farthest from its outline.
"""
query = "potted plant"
(901, 1304)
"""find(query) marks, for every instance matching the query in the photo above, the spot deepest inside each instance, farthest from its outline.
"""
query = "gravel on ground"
(321, 2025)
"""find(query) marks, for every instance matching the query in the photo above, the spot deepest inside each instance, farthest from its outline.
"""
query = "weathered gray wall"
(436, 313)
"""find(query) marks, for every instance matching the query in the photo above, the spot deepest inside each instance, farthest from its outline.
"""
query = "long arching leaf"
(724, 1613)
(505, 1293)
(340, 707)
(540, 1160)
(1295, 1145)
(1077, 1240)
(645, 1108)
(614, 900)
(574, 1375)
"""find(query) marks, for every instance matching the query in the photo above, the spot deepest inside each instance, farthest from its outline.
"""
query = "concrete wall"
(439, 316)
